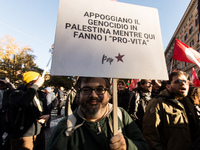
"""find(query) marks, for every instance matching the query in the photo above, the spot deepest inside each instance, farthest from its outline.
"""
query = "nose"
(93, 94)
(183, 82)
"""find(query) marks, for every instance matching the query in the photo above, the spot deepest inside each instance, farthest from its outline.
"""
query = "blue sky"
(33, 23)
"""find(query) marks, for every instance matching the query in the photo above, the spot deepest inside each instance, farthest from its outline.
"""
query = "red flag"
(195, 79)
(184, 53)
(133, 84)
(175, 70)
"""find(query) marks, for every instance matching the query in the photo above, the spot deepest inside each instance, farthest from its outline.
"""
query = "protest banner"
(108, 39)
(100, 38)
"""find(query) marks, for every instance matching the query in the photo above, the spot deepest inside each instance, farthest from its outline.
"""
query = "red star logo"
(119, 57)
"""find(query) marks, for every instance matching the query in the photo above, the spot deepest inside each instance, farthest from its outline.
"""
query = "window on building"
(185, 25)
(196, 21)
(191, 43)
(197, 37)
(191, 29)
(185, 38)
(182, 64)
(190, 17)
(178, 67)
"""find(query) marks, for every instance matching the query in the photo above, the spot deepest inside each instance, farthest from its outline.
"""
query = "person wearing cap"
(28, 132)
(124, 94)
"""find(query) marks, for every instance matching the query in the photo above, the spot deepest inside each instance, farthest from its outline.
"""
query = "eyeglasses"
(88, 90)
(181, 81)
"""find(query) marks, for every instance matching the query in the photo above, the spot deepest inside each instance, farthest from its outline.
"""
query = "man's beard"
(178, 93)
(92, 111)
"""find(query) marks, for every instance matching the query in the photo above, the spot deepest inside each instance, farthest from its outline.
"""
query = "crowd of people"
(156, 115)
(25, 111)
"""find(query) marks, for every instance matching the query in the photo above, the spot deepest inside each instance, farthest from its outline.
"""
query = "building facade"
(188, 33)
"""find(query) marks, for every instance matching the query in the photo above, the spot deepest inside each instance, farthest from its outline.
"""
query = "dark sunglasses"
(181, 81)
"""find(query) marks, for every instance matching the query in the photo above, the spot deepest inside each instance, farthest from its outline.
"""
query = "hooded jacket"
(166, 124)
(96, 135)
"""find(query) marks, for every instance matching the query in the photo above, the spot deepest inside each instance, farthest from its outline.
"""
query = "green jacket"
(96, 135)
(165, 123)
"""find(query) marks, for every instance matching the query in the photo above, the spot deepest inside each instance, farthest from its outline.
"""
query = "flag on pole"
(133, 84)
(184, 53)
(195, 79)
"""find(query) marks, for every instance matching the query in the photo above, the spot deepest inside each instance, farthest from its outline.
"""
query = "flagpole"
(45, 69)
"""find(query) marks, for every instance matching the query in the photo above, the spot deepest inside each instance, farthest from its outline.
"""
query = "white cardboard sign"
(99, 38)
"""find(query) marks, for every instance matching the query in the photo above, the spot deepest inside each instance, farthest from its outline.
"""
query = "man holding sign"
(90, 126)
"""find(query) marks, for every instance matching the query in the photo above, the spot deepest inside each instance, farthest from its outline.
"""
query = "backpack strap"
(71, 122)
(71, 125)
(119, 114)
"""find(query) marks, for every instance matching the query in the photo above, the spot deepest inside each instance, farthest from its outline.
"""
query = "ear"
(109, 96)
(168, 87)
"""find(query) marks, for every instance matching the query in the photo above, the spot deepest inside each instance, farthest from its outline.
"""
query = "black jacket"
(26, 111)
(123, 99)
